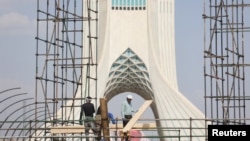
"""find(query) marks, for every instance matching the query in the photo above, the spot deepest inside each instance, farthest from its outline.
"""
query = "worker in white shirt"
(127, 110)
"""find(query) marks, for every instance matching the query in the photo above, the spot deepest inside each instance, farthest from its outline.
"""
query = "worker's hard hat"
(129, 97)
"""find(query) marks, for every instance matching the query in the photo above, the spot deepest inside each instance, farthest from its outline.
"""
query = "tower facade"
(137, 54)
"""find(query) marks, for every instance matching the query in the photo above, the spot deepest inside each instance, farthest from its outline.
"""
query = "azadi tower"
(136, 53)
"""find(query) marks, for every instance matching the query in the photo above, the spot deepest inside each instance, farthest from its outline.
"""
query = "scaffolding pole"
(226, 25)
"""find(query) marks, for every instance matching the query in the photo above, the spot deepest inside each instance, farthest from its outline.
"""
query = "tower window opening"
(128, 4)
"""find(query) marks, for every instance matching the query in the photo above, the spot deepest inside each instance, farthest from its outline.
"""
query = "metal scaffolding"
(226, 76)
(65, 54)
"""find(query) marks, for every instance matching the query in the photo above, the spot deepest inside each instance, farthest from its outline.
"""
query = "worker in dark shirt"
(89, 122)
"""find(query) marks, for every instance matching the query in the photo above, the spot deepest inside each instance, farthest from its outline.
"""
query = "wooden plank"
(137, 115)
(104, 117)
(67, 129)
(80, 129)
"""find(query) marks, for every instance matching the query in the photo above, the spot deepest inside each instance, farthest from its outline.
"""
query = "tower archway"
(129, 73)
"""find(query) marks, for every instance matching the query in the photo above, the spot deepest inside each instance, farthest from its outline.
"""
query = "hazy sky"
(18, 46)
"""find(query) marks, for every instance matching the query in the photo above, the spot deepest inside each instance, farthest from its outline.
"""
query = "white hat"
(129, 97)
